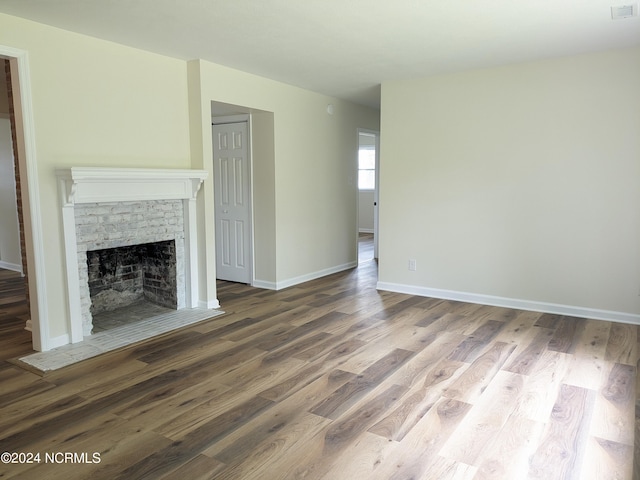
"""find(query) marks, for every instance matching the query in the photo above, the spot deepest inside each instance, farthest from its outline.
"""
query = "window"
(367, 168)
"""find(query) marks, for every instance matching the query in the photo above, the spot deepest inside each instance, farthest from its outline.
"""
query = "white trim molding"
(264, 284)
(60, 341)
(28, 167)
(212, 304)
(518, 304)
(223, 119)
(81, 185)
(303, 278)
(11, 266)
(96, 184)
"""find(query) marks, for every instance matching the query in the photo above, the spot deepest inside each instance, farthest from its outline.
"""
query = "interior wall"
(314, 169)
(95, 103)
(521, 182)
(264, 198)
(365, 211)
(9, 231)
(10, 257)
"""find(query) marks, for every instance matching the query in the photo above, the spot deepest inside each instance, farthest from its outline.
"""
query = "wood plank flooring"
(14, 339)
(332, 379)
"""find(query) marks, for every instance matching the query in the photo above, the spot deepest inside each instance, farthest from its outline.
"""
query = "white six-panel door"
(232, 184)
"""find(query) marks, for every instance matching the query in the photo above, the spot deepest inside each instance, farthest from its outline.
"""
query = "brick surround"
(119, 224)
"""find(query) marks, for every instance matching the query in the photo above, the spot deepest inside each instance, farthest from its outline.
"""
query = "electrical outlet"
(412, 265)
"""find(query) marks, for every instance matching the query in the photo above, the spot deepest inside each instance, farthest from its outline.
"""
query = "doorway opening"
(232, 194)
(261, 192)
(368, 163)
(11, 205)
(32, 242)
(14, 293)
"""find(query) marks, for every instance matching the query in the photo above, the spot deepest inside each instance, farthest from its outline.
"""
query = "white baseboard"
(303, 278)
(534, 306)
(264, 284)
(28, 326)
(312, 276)
(11, 266)
(211, 304)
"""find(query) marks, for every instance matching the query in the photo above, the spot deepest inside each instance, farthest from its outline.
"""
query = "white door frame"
(376, 191)
(242, 118)
(27, 166)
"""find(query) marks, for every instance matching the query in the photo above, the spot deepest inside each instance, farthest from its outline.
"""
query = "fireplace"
(121, 276)
(115, 233)
(111, 216)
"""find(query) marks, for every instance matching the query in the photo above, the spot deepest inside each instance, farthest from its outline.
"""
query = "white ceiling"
(345, 48)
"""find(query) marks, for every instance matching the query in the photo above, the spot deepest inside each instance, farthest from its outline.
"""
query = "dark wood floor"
(15, 341)
(332, 379)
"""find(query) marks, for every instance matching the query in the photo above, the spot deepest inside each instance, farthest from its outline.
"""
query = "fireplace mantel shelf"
(101, 184)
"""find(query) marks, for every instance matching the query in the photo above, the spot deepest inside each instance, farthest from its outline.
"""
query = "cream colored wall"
(264, 197)
(520, 182)
(95, 103)
(102, 104)
(314, 168)
(365, 210)
(9, 233)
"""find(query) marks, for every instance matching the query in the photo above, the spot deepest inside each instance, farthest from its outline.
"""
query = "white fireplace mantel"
(82, 185)
(97, 184)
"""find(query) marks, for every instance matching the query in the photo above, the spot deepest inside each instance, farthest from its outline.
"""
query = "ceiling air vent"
(624, 11)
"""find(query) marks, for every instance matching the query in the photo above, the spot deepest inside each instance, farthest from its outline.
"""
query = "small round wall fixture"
(330, 109)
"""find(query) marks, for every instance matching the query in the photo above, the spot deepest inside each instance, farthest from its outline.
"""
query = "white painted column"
(76, 331)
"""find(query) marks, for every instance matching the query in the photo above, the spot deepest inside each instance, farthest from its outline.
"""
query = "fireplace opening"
(131, 283)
